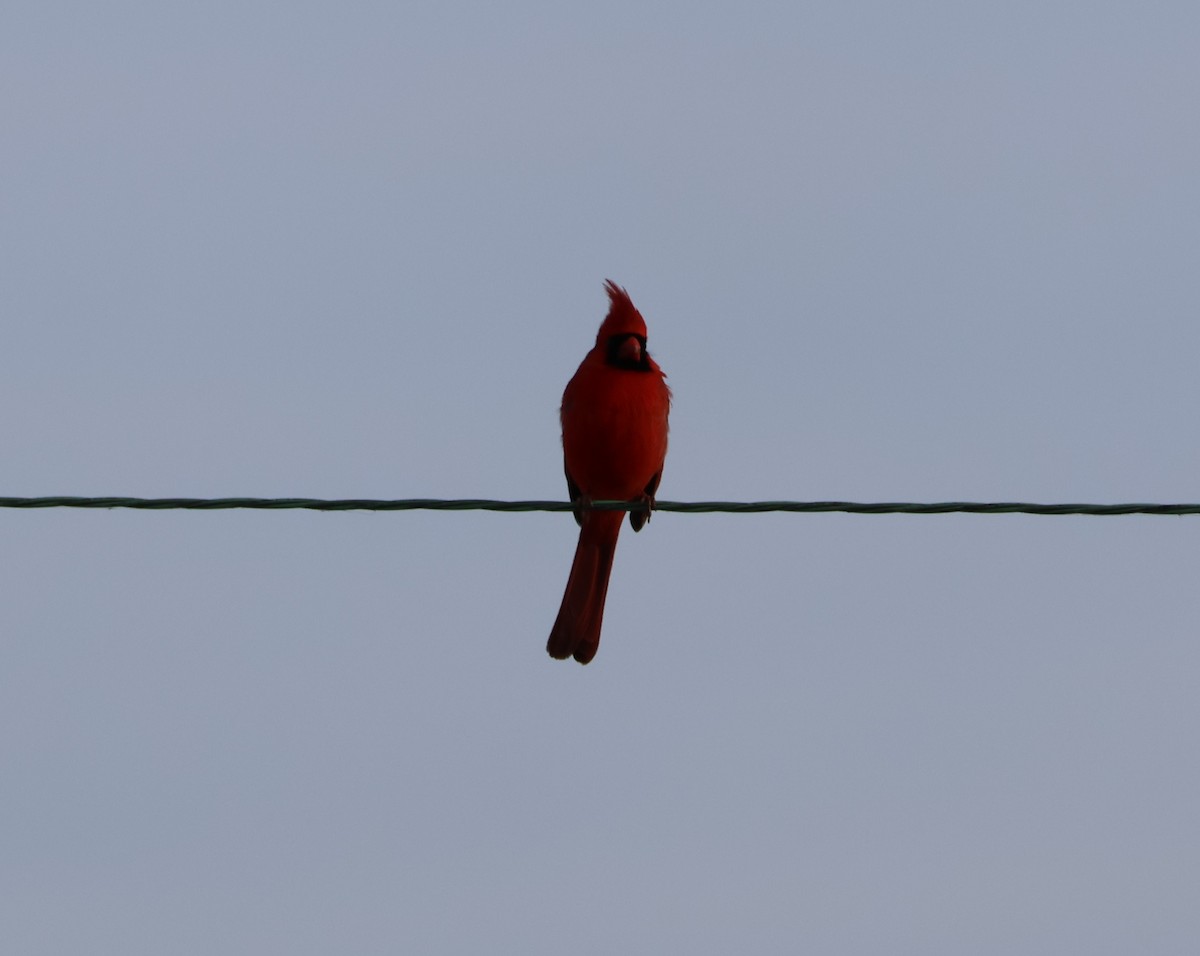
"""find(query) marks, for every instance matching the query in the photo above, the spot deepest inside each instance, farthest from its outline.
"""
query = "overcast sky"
(920, 251)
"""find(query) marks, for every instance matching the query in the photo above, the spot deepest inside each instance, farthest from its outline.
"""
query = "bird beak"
(630, 350)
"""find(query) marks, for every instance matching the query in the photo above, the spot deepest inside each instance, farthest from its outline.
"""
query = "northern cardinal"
(614, 431)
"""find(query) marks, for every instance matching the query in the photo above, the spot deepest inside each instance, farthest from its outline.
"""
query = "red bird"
(614, 429)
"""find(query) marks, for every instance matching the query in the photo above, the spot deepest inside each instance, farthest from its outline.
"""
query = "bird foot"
(640, 516)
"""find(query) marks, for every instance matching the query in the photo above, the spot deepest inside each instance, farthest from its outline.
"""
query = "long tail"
(576, 632)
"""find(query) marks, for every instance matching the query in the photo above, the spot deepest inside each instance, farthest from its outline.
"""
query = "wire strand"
(683, 507)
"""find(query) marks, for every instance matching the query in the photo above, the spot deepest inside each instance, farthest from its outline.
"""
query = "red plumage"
(614, 425)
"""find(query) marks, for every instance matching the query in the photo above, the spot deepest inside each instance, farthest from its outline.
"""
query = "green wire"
(686, 507)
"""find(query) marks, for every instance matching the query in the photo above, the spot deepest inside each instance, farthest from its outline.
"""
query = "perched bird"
(614, 432)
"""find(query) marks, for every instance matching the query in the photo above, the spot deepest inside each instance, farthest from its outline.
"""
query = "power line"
(684, 507)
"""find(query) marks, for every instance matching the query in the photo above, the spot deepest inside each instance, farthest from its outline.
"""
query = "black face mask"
(627, 351)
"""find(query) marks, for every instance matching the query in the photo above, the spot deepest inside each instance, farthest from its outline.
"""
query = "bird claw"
(581, 504)
(638, 517)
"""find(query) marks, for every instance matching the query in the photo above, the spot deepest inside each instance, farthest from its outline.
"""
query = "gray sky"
(886, 252)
